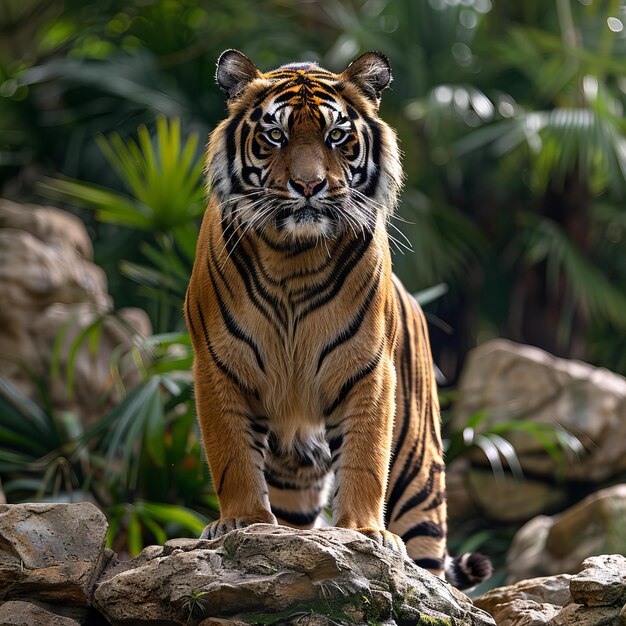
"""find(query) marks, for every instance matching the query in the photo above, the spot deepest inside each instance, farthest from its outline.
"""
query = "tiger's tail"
(468, 570)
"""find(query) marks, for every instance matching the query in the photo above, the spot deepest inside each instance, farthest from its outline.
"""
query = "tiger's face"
(303, 154)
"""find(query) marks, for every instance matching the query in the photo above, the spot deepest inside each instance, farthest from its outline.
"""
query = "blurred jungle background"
(512, 223)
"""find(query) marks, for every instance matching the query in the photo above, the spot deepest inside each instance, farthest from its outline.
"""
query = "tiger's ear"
(371, 73)
(234, 71)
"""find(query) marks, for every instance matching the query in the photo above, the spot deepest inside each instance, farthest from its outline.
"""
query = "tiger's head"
(303, 154)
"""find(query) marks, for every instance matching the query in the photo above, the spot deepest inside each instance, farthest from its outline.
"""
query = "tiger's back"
(306, 345)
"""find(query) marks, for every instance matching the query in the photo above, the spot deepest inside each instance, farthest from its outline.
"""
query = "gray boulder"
(55, 570)
(51, 291)
(20, 613)
(548, 545)
(594, 597)
(510, 381)
(290, 575)
(51, 552)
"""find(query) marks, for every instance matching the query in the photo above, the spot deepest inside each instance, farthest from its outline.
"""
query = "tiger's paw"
(384, 538)
(224, 525)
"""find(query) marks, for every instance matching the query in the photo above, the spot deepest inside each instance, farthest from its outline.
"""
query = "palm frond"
(444, 240)
(589, 140)
(590, 287)
(490, 437)
(164, 180)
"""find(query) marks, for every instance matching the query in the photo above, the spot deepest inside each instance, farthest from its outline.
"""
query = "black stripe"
(375, 156)
(353, 380)
(261, 429)
(414, 461)
(232, 326)
(347, 334)
(188, 316)
(258, 263)
(308, 482)
(231, 152)
(416, 499)
(423, 529)
(250, 281)
(335, 443)
(436, 501)
(338, 281)
(343, 260)
(406, 381)
(213, 261)
(278, 483)
(220, 364)
(292, 248)
(277, 308)
(429, 563)
(259, 446)
(218, 491)
(297, 518)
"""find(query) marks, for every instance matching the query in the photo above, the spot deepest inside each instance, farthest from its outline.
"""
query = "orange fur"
(306, 346)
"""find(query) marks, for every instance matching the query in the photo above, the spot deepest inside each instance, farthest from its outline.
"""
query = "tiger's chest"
(292, 329)
(287, 365)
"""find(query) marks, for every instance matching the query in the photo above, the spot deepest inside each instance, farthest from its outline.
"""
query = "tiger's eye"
(336, 135)
(276, 135)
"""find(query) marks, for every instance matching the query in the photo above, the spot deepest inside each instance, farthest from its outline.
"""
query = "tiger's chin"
(306, 223)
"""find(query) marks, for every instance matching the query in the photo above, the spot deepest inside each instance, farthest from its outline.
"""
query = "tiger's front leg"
(359, 433)
(235, 443)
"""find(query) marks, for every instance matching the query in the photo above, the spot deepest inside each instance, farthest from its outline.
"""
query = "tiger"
(313, 373)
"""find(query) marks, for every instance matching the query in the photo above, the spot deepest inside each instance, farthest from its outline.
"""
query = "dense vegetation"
(511, 119)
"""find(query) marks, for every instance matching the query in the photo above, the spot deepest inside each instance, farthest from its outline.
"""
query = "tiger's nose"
(307, 188)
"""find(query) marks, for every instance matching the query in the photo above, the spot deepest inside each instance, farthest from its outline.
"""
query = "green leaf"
(35, 422)
(155, 429)
(426, 296)
(164, 513)
(135, 535)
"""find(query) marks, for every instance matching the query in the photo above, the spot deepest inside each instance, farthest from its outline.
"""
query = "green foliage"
(141, 462)
(162, 178)
(510, 118)
(511, 121)
(194, 603)
(489, 437)
(35, 457)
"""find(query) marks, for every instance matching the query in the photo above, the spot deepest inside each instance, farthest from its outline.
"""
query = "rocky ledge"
(55, 570)
(594, 597)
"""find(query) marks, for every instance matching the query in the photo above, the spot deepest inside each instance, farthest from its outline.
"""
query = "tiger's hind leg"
(416, 496)
(416, 501)
(297, 481)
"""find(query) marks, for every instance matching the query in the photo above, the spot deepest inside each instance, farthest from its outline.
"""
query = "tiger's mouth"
(306, 219)
(306, 213)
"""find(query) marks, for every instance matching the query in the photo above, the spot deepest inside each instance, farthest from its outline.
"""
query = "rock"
(577, 615)
(51, 552)
(511, 381)
(602, 581)
(526, 557)
(504, 499)
(266, 570)
(52, 557)
(216, 621)
(595, 597)
(19, 613)
(528, 603)
(50, 288)
(559, 544)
